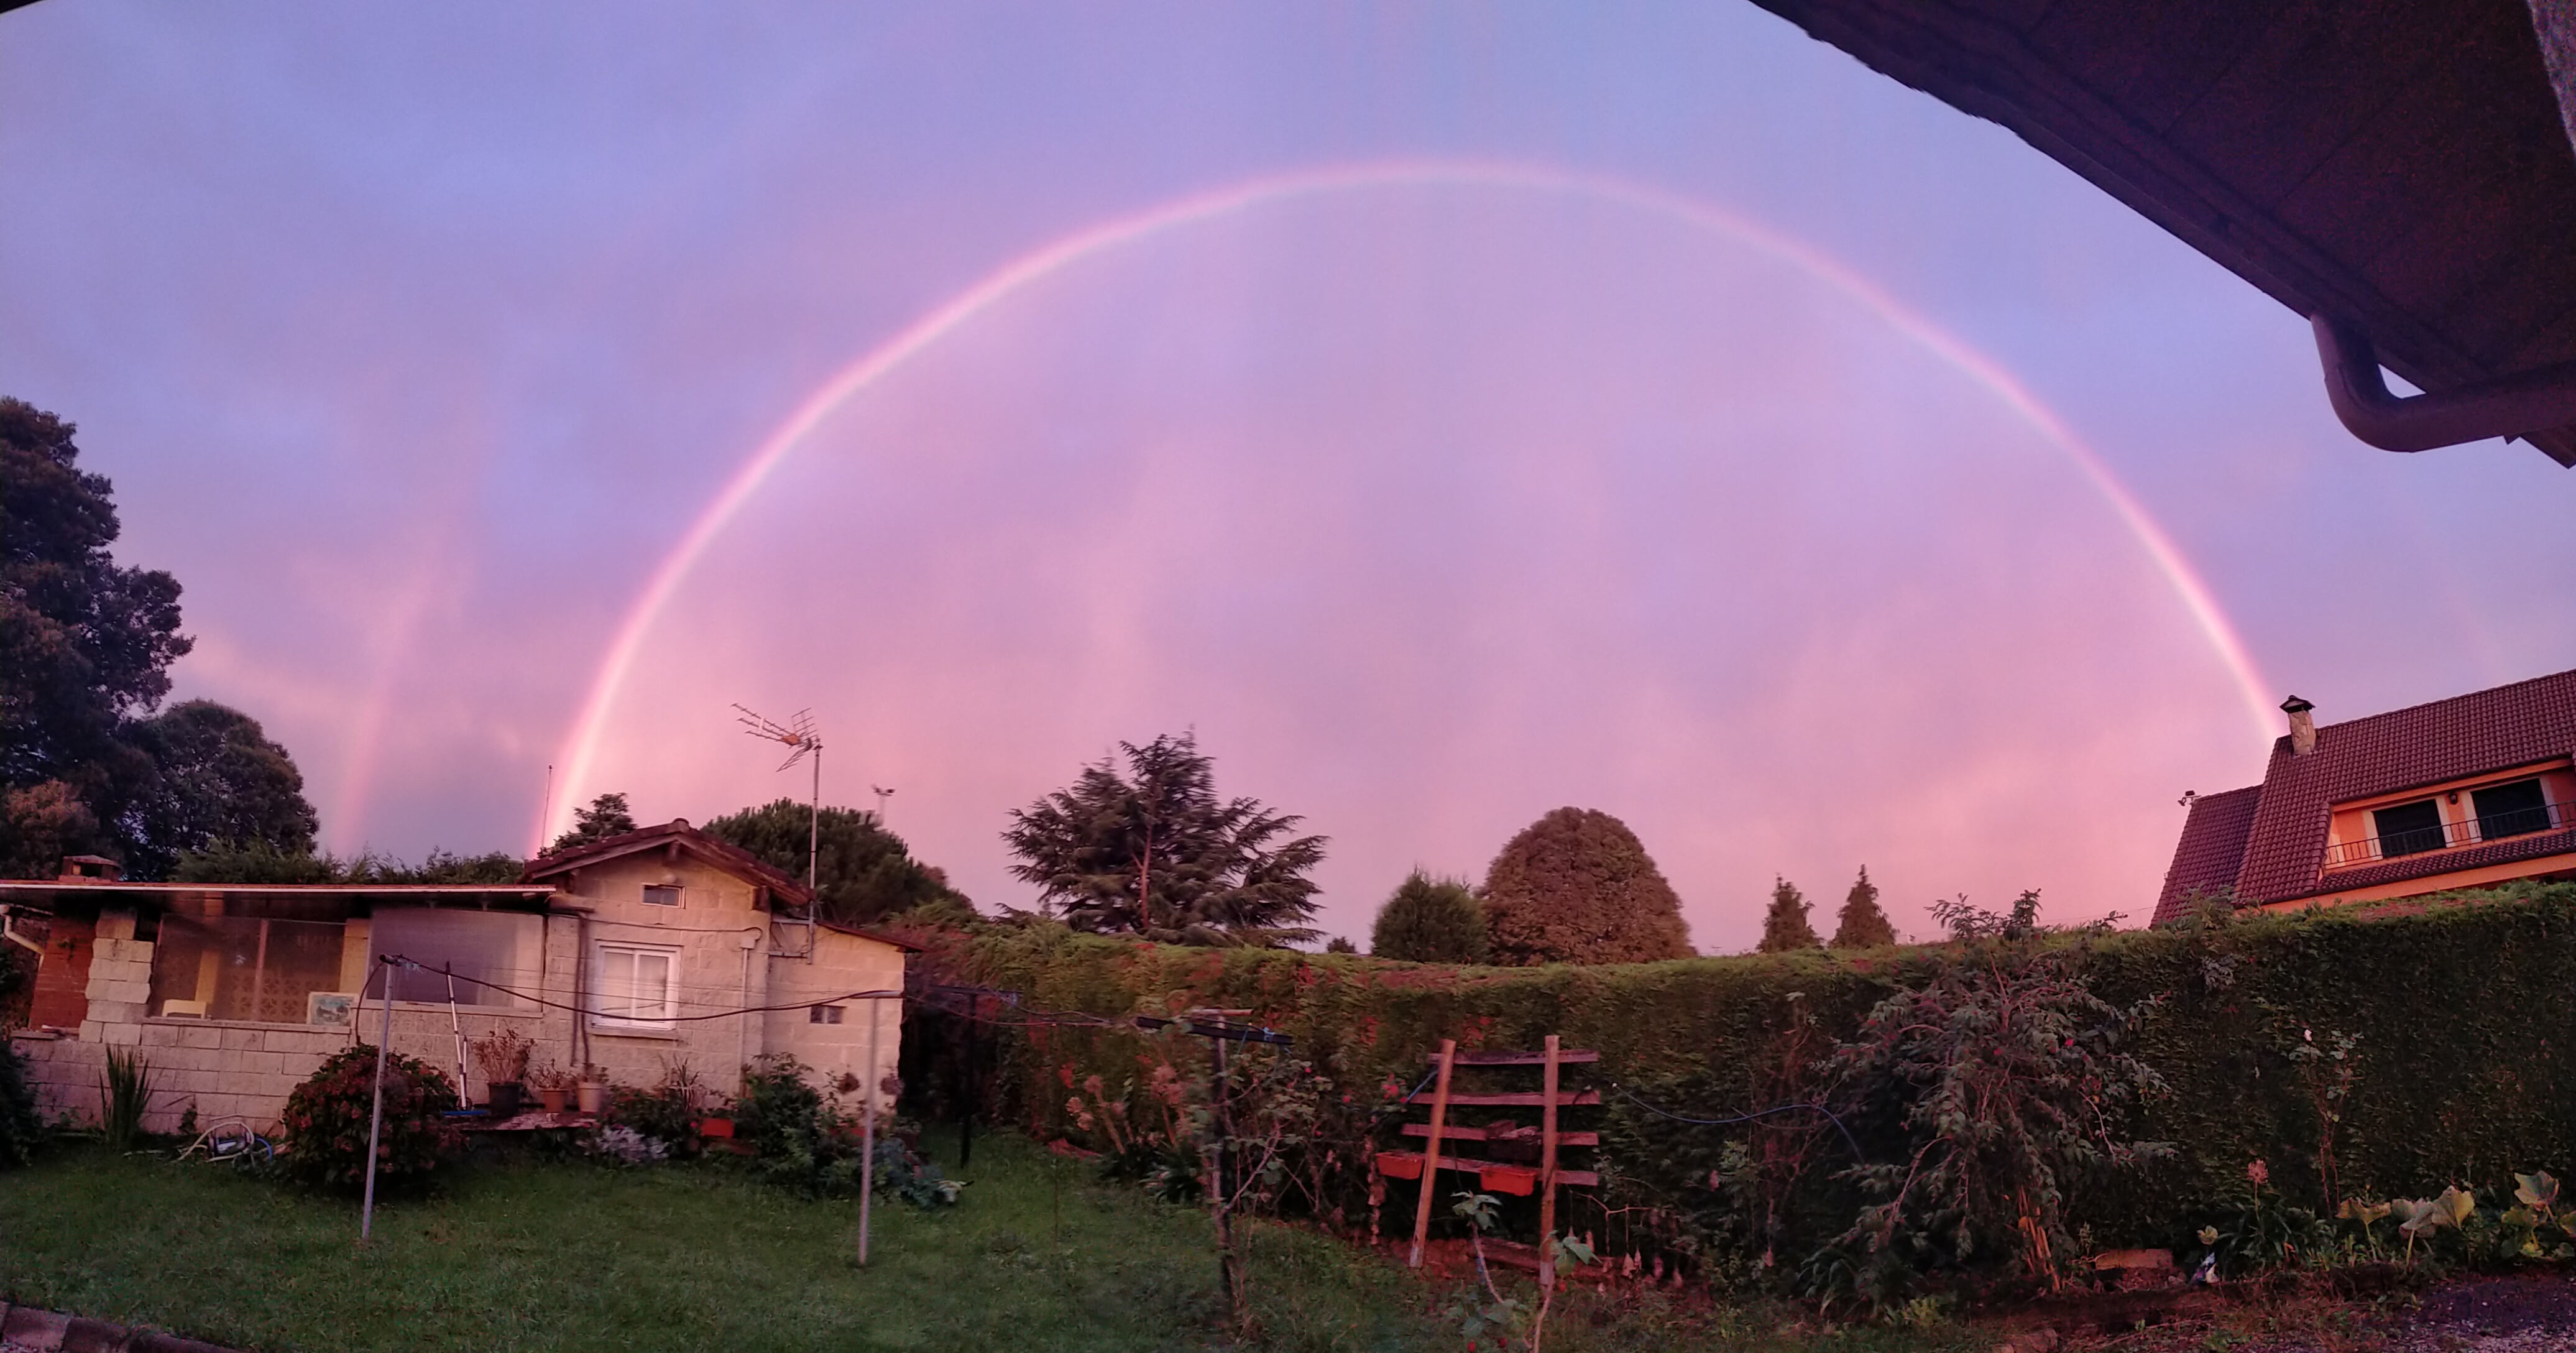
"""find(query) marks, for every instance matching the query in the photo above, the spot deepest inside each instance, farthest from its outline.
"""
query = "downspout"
(2507, 406)
(8, 918)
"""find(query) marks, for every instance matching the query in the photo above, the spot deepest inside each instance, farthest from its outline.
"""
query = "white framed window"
(823, 1014)
(661, 894)
(638, 986)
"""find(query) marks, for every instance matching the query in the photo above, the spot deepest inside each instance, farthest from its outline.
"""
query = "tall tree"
(1785, 927)
(606, 816)
(863, 871)
(216, 779)
(1429, 920)
(1862, 924)
(1577, 886)
(1149, 849)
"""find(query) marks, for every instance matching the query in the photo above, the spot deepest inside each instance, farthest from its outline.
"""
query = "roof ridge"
(2449, 699)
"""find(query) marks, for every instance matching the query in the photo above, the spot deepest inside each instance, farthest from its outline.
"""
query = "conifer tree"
(1862, 924)
(1577, 886)
(1784, 927)
(1430, 920)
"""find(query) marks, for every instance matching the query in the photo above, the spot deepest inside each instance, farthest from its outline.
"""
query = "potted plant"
(591, 1096)
(502, 1057)
(553, 1085)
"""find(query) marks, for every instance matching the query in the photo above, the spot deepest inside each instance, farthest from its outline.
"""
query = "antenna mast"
(799, 737)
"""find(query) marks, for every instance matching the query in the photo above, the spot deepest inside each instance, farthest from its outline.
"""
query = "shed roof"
(2398, 165)
(675, 834)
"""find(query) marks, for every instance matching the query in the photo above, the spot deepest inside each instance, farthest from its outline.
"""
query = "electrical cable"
(397, 959)
(1848, 1139)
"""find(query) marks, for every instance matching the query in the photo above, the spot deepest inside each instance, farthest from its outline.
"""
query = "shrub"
(124, 1096)
(1430, 920)
(1576, 886)
(807, 1143)
(20, 1128)
(326, 1121)
(1863, 924)
(666, 1113)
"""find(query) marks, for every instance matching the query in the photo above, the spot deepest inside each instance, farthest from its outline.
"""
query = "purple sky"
(1449, 414)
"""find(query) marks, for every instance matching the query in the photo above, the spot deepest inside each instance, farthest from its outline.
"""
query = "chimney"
(2303, 730)
(90, 869)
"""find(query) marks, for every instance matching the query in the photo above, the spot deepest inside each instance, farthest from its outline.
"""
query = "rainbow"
(1218, 204)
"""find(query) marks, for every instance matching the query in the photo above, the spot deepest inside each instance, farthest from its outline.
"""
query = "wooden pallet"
(1497, 1176)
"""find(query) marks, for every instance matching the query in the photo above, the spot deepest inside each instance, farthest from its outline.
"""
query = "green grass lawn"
(567, 1256)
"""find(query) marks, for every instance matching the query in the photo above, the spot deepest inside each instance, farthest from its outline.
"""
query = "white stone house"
(638, 953)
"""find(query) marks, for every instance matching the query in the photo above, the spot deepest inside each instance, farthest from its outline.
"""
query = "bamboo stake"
(868, 1133)
(1547, 1175)
(1431, 1152)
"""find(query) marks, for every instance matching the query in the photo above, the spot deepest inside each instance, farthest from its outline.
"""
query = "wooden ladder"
(1496, 1175)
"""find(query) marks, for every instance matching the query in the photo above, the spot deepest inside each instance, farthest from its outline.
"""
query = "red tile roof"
(2212, 849)
(722, 854)
(2284, 844)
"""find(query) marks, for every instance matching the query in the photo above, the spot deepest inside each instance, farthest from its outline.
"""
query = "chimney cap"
(2295, 705)
(90, 869)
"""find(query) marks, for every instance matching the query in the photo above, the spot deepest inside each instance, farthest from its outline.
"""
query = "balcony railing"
(2475, 831)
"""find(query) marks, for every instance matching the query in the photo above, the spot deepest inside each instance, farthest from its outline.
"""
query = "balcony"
(2523, 820)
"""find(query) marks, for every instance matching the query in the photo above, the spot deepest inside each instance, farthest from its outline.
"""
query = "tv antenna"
(799, 737)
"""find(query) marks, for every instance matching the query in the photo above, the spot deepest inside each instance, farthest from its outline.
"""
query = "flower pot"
(554, 1097)
(593, 1096)
(505, 1100)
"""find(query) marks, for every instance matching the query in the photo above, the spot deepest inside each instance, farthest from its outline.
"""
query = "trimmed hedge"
(2461, 1007)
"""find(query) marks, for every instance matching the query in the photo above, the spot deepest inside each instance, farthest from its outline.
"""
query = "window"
(242, 967)
(823, 1014)
(2408, 828)
(479, 947)
(2517, 809)
(638, 986)
(661, 894)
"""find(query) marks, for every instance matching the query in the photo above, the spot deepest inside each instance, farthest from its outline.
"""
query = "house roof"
(675, 834)
(2284, 842)
(2404, 170)
(51, 894)
(878, 935)
(2211, 851)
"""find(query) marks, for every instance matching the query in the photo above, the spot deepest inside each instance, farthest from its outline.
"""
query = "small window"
(2408, 828)
(2517, 809)
(638, 987)
(824, 1014)
(661, 894)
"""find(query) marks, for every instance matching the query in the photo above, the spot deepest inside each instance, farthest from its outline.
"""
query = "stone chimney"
(90, 869)
(2303, 730)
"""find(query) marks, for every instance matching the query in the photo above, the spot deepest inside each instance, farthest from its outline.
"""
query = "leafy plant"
(20, 1125)
(2418, 1218)
(1505, 1317)
(124, 1096)
(667, 1112)
(2010, 1085)
(2328, 1070)
(502, 1056)
(327, 1116)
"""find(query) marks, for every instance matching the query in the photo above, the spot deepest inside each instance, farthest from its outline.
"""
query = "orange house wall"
(61, 996)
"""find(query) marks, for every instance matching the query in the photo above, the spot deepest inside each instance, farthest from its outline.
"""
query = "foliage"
(326, 1121)
(1577, 886)
(20, 1127)
(259, 862)
(1340, 944)
(1784, 926)
(1862, 923)
(124, 1095)
(810, 1140)
(1482, 1309)
(216, 778)
(666, 1113)
(502, 1055)
(863, 872)
(606, 816)
(1151, 850)
(1430, 920)
(2009, 1085)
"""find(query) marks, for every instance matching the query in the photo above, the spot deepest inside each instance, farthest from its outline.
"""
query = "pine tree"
(1430, 920)
(1862, 924)
(1577, 886)
(1784, 927)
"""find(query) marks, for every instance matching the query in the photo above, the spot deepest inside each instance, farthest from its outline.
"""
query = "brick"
(120, 1035)
(39, 1331)
(241, 1038)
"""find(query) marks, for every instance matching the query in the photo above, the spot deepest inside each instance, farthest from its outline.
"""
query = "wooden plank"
(1470, 1165)
(1522, 1099)
(1547, 1170)
(1516, 1058)
(1469, 1134)
(1439, 1115)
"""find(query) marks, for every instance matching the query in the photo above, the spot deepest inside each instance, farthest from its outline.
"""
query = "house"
(635, 953)
(2467, 792)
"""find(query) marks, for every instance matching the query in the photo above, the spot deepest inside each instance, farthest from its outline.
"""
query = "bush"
(1430, 920)
(806, 1142)
(1576, 886)
(667, 1113)
(327, 1117)
(20, 1128)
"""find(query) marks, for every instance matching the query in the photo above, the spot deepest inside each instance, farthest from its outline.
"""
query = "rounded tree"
(1430, 920)
(1577, 886)
(1863, 925)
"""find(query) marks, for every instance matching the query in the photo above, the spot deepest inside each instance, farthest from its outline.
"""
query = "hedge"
(2461, 1006)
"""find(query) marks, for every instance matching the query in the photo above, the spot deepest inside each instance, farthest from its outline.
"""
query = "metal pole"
(1224, 1190)
(966, 1101)
(376, 1120)
(814, 827)
(868, 1136)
